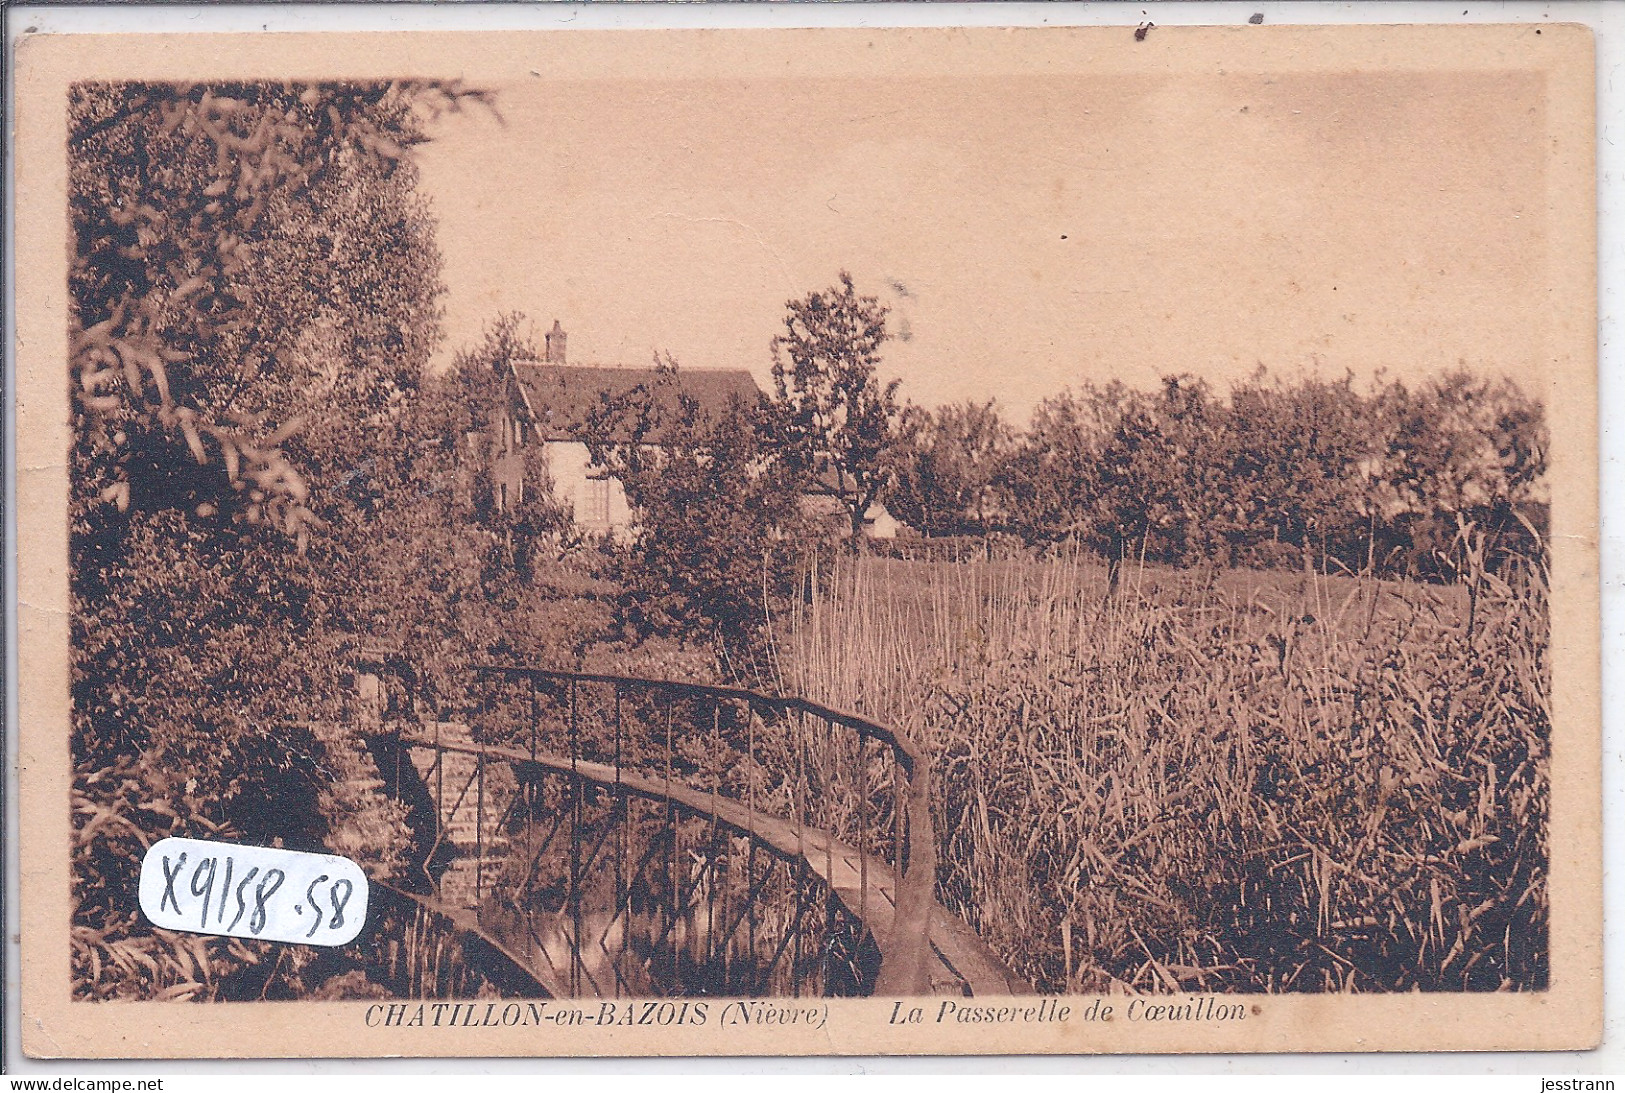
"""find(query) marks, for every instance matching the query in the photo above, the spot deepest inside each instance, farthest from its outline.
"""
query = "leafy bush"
(121, 810)
(1282, 474)
(714, 550)
(947, 464)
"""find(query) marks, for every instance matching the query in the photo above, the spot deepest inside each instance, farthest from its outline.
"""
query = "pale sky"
(1028, 232)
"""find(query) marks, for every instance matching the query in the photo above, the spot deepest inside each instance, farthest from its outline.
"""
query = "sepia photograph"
(812, 541)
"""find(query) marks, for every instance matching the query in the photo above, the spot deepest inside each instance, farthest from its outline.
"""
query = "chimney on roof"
(555, 344)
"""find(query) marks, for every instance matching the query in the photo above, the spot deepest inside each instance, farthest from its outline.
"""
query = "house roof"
(560, 397)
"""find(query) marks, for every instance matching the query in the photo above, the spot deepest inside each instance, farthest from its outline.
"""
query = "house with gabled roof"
(547, 402)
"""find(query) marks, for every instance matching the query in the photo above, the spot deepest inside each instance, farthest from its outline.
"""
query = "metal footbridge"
(617, 836)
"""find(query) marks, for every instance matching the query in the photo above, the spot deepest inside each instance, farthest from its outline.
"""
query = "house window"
(595, 502)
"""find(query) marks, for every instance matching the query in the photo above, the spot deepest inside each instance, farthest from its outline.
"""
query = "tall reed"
(1211, 779)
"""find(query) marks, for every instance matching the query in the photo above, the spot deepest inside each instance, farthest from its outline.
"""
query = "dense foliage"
(254, 290)
(1400, 480)
(458, 577)
(713, 553)
(836, 419)
(946, 467)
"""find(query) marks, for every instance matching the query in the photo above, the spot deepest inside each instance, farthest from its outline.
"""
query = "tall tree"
(948, 464)
(715, 507)
(1460, 451)
(1299, 469)
(252, 273)
(1053, 474)
(839, 419)
(254, 293)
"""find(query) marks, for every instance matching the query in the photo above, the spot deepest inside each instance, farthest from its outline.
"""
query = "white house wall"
(570, 466)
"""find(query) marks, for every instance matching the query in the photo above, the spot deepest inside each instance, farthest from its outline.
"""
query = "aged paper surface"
(1230, 683)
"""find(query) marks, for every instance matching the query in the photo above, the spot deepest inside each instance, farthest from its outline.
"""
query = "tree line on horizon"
(1308, 471)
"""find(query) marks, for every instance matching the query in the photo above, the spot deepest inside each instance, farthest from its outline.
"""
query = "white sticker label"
(253, 891)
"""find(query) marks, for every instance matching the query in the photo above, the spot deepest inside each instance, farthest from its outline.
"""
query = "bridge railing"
(660, 800)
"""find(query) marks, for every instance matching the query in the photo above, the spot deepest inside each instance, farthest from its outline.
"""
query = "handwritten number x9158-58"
(208, 870)
(263, 892)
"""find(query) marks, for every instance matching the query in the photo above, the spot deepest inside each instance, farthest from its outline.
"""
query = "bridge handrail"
(901, 744)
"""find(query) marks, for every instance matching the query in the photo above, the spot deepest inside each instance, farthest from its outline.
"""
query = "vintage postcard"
(817, 541)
